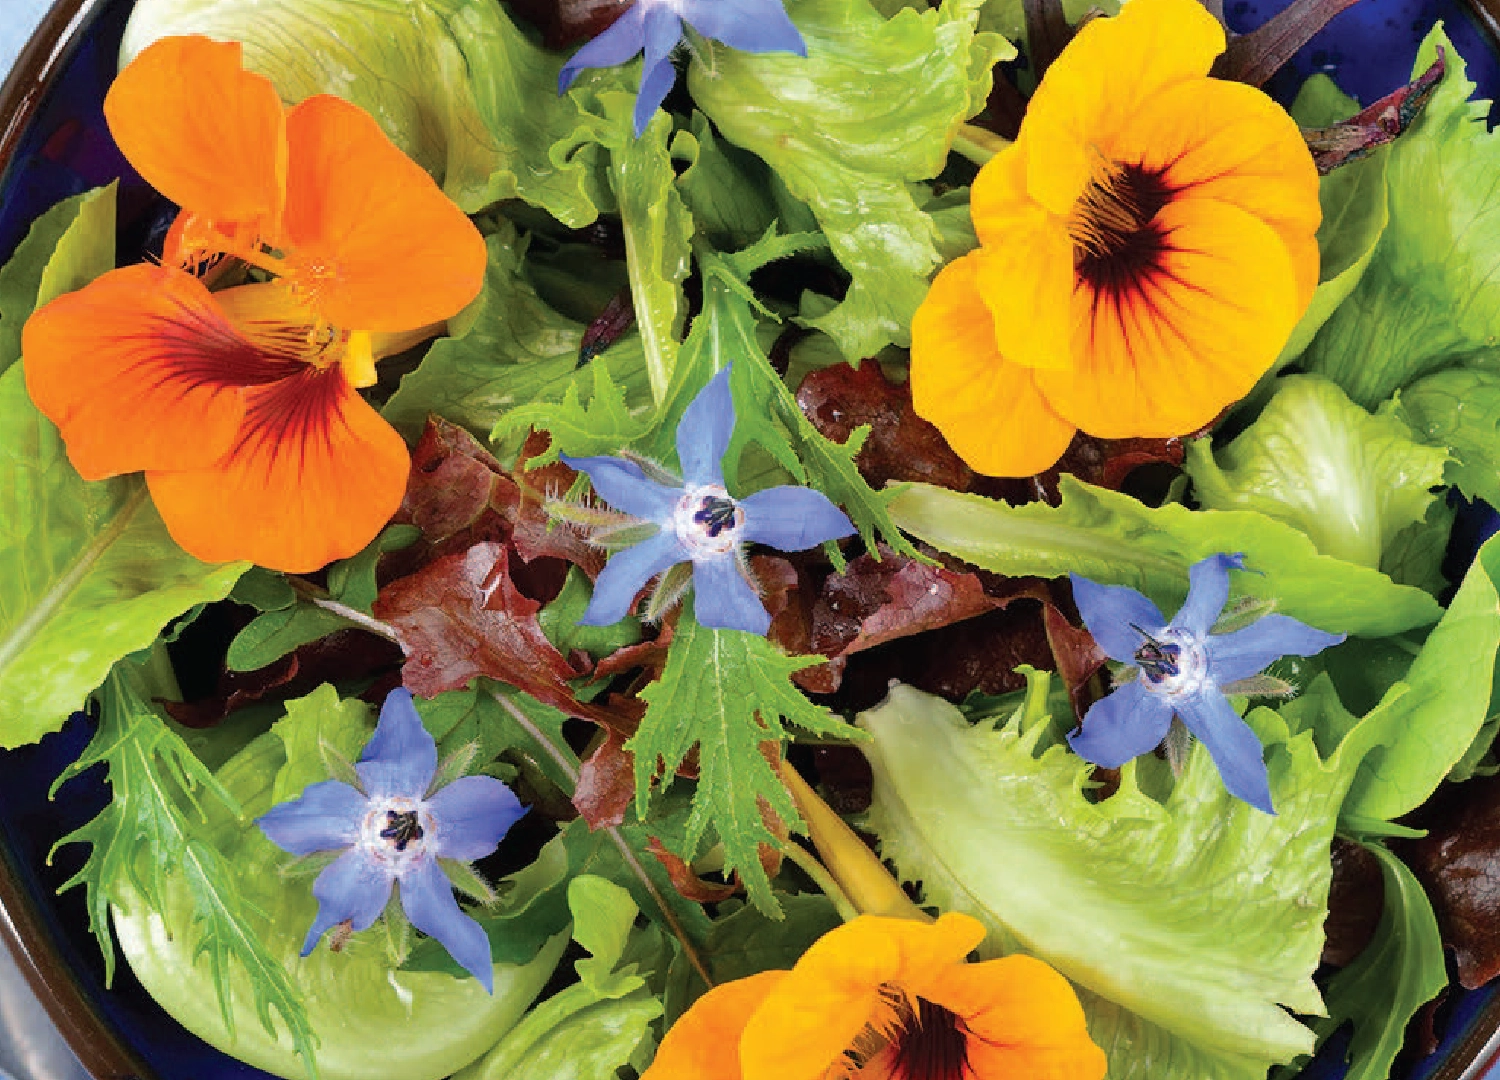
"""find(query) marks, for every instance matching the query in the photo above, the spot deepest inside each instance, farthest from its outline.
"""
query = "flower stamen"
(1115, 238)
(401, 828)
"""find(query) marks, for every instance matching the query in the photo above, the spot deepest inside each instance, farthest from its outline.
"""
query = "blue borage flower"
(699, 522)
(656, 26)
(393, 829)
(1183, 669)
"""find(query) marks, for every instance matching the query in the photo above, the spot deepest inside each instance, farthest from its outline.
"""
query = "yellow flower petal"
(1103, 78)
(812, 1016)
(1026, 282)
(988, 409)
(1166, 356)
(700, 1046)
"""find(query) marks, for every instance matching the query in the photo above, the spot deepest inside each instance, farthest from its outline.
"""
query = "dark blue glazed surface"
(67, 150)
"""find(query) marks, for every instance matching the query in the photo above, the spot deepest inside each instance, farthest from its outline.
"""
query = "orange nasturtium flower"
(887, 999)
(242, 406)
(1146, 246)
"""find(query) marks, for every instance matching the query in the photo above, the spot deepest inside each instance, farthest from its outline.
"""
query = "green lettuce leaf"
(1355, 214)
(1431, 293)
(454, 83)
(372, 1022)
(726, 189)
(1430, 729)
(1317, 461)
(66, 248)
(929, 70)
(1111, 538)
(588, 1030)
(1459, 408)
(1196, 913)
(89, 573)
(1400, 970)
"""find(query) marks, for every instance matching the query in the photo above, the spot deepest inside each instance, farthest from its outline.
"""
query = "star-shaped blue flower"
(656, 26)
(395, 830)
(699, 522)
(1183, 670)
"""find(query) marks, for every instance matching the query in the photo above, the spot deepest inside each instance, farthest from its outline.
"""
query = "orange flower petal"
(142, 370)
(813, 1015)
(373, 239)
(1095, 87)
(701, 1044)
(988, 409)
(313, 476)
(202, 131)
(1227, 141)
(1165, 358)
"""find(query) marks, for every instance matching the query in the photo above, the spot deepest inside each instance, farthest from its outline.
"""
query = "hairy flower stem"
(568, 764)
(857, 872)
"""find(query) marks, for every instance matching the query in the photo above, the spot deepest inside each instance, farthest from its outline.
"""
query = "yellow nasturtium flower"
(1146, 246)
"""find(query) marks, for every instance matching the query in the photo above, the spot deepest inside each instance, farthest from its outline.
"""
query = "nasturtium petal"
(202, 131)
(699, 1043)
(127, 363)
(316, 474)
(388, 216)
(1088, 90)
(988, 409)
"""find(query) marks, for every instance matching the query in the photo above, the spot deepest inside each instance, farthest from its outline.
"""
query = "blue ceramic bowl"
(54, 143)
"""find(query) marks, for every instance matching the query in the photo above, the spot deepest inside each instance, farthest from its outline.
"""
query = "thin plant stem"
(360, 619)
(977, 144)
(821, 878)
(569, 767)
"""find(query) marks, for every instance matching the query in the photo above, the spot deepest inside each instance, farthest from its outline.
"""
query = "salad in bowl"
(736, 539)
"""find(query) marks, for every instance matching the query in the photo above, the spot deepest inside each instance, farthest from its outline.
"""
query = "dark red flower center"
(1116, 239)
(932, 1046)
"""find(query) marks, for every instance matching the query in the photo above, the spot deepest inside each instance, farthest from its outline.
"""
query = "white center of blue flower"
(707, 521)
(395, 832)
(1172, 661)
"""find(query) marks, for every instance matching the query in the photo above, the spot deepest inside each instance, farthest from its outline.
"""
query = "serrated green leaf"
(1431, 293)
(1197, 913)
(1400, 970)
(66, 248)
(726, 692)
(144, 837)
(90, 574)
(602, 426)
(1460, 408)
(1349, 479)
(929, 70)
(603, 916)
(517, 350)
(1111, 538)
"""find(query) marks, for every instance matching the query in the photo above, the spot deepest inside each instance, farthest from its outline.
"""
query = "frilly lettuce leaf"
(1431, 293)
(1112, 538)
(454, 83)
(373, 1022)
(1355, 214)
(1315, 460)
(928, 71)
(1196, 913)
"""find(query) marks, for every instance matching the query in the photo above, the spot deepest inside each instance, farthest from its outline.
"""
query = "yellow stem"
(864, 880)
(977, 144)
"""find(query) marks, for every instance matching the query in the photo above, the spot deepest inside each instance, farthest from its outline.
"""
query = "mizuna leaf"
(726, 692)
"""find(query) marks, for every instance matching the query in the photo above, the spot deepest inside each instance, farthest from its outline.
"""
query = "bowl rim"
(24, 930)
